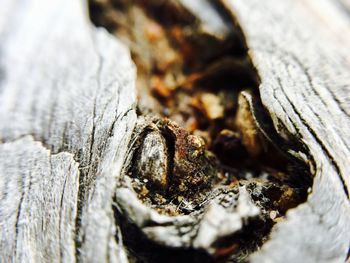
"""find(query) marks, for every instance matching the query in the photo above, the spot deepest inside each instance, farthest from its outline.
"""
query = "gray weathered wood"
(67, 111)
(69, 87)
(304, 68)
(38, 201)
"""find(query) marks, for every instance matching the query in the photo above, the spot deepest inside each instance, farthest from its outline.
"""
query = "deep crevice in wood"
(231, 69)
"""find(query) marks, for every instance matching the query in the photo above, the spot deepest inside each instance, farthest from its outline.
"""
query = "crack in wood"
(114, 16)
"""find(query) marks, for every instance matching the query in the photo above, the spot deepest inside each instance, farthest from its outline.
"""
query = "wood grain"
(67, 111)
(305, 87)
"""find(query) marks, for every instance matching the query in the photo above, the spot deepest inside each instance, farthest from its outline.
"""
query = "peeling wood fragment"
(246, 125)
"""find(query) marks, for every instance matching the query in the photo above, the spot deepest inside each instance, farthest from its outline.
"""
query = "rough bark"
(68, 113)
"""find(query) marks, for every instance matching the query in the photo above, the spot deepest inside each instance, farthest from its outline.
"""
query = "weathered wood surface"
(66, 110)
(304, 68)
(67, 114)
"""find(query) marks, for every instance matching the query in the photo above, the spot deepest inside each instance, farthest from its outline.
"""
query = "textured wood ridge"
(67, 113)
(66, 110)
(305, 86)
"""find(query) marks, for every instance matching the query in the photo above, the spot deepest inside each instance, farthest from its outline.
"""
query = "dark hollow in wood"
(204, 81)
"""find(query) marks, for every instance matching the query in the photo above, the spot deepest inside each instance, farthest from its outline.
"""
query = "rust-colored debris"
(205, 134)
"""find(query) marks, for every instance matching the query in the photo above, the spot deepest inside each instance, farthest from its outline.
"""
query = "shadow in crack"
(193, 69)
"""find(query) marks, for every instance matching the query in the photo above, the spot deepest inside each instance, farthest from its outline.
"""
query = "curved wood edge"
(305, 87)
